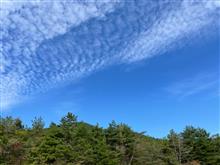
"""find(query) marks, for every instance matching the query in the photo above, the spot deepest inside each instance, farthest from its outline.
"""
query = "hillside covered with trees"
(71, 142)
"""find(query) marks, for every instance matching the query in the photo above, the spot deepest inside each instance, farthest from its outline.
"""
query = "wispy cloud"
(47, 43)
(194, 85)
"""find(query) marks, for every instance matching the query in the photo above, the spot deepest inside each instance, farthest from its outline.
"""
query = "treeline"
(77, 143)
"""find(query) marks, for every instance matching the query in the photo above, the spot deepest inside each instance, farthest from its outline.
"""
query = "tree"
(37, 125)
(102, 153)
(68, 123)
(122, 139)
(11, 145)
(176, 144)
(18, 124)
(52, 149)
(77, 143)
(213, 156)
(198, 140)
(70, 120)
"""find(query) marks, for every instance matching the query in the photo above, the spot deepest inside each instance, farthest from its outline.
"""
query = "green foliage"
(71, 142)
(37, 125)
(122, 140)
(11, 144)
(199, 141)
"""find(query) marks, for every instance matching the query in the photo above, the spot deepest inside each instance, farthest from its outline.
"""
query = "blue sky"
(154, 66)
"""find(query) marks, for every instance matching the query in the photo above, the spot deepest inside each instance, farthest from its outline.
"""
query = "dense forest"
(72, 142)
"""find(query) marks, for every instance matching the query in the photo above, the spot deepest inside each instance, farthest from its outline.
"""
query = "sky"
(151, 65)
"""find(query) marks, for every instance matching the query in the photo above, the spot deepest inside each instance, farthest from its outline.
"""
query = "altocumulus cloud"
(45, 44)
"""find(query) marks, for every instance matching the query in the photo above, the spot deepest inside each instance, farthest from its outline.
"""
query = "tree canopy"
(72, 142)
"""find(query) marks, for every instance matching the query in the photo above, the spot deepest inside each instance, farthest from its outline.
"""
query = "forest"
(73, 142)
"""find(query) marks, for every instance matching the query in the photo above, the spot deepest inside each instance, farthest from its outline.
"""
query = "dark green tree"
(199, 141)
(122, 140)
(77, 143)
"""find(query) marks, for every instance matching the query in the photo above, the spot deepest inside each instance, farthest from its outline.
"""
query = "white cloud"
(48, 43)
(184, 22)
(24, 26)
